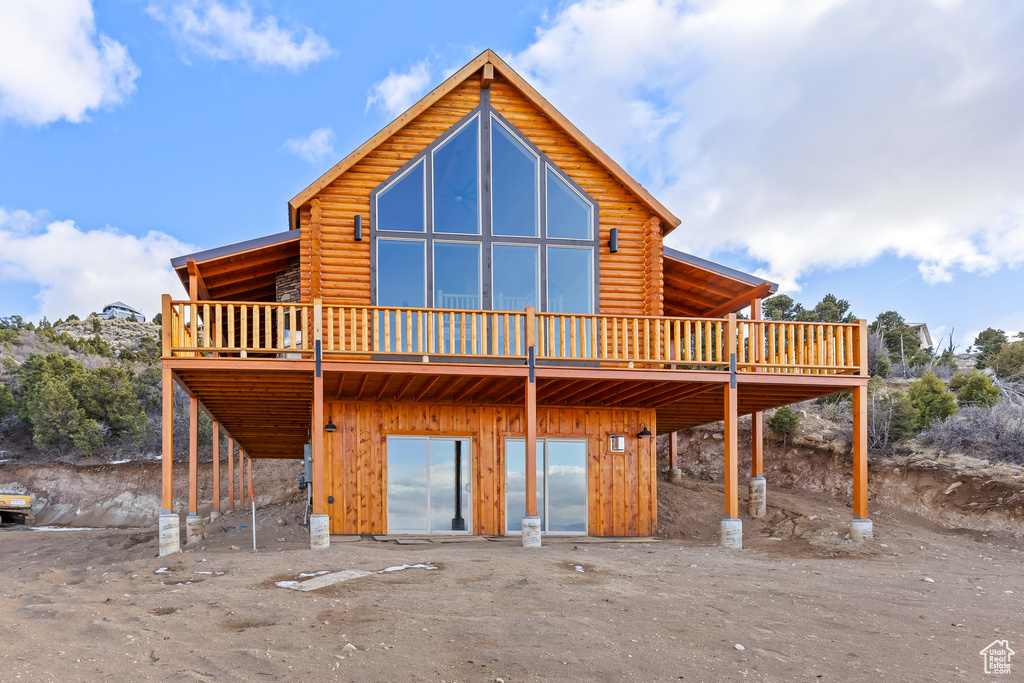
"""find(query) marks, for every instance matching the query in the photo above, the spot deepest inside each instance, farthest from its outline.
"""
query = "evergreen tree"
(988, 343)
(931, 399)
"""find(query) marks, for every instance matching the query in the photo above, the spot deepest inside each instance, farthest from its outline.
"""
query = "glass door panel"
(408, 493)
(561, 485)
(429, 485)
(567, 486)
(450, 487)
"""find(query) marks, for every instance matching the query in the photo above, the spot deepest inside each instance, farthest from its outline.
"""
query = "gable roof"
(669, 220)
(121, 304)
(697, 287)
(244, 271)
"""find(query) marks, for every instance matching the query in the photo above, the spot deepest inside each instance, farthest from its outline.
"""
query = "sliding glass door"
(561, 485)
(429, 485)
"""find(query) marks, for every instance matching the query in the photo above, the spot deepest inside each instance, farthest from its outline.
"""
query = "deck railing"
(246, 329)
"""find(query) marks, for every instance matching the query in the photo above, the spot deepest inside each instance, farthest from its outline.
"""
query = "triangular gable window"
(482, 219)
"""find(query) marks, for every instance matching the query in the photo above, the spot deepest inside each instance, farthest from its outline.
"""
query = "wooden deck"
(242, 358)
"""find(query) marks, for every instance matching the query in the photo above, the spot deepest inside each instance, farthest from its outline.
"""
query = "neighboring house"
(472, 320)
(922, 333)
(122, 310)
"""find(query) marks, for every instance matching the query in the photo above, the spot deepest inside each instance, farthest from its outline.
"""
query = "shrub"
(878, 356)
(931, 399)
(68, 407)
(1009, 362)
(998, 432)
(106, 395)
(784, 422)
(974, 389)
(892, 417)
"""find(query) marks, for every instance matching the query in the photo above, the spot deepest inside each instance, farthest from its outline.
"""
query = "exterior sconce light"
(357, 226)
(644, 431)
(329, 427)
(613, 241)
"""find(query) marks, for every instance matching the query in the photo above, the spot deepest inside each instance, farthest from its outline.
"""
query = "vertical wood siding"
(622, 487)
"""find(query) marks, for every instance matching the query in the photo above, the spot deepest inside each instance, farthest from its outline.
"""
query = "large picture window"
(482, 219)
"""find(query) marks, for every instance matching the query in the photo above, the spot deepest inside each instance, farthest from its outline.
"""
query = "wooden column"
(241, 476)
(757, 419)
(730, 436)
(673, 450)
(317, 430)
(756, 444)
(231, 472)
(730, 432)
(167, 440)
(193, 455)
(860, 451)
(216, 465)
(531, 420)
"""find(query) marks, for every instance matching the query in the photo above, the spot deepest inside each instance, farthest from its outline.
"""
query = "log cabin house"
(473, 324)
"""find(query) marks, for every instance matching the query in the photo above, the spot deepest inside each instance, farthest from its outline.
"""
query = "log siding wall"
(630, 281)
(622, 487)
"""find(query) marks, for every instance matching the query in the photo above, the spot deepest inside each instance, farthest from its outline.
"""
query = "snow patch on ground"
(407, 566)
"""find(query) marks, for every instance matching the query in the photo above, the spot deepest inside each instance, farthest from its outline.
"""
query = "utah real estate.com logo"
(997, 657)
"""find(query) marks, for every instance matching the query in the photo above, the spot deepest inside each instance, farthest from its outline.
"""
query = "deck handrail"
(270, 329)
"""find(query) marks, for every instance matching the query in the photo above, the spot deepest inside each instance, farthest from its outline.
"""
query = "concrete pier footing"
(170, 534)
(319, 532)
(860, 529)
(193, 529)
(732, 533)
(531, 532)
(757, 503)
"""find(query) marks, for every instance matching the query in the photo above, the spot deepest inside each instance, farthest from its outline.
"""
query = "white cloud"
(54, 65)
(220, 32)
(80, 271)
(315, 147)
(812, 133)
(398, 91)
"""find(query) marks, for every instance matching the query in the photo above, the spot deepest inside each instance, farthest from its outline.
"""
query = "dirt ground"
(803, 602)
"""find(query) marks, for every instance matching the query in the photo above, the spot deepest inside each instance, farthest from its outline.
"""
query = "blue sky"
(867, 149)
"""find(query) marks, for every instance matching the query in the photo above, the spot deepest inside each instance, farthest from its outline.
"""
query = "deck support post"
(319, 521)
(241, 476)
(732, 525)
(193, 522)
(170, 534)
(531, 522)
(757, 500)
(231, 472)
(757, 503)
(215, 513)
(675, 475)
(860, 526)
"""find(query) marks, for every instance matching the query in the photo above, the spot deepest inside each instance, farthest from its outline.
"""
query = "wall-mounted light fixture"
(329, 427)
(644, 431)
(357, 228)
(613, 241)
